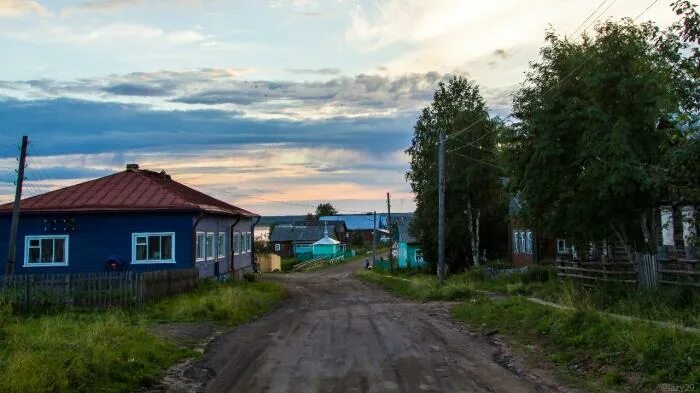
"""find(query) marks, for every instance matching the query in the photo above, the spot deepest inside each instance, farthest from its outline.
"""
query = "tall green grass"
(113, 351)
(637, 355)
(229, 304)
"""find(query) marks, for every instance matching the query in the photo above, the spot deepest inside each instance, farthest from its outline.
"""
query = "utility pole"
(11, 249)
(441, 207)
(374, 240)
(391, 237)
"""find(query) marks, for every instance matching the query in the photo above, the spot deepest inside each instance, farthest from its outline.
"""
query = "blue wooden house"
(132, 220)
(409, 251)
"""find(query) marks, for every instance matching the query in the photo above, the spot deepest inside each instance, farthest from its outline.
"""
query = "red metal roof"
(131, 190)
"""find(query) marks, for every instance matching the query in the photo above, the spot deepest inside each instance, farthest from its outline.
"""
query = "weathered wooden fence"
(679, 271)
(600, 264)
(101, 290)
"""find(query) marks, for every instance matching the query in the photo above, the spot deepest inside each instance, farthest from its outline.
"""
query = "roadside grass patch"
(81, 352)
(420, 287)
(229, 303)
(633, 354)
(113, 350)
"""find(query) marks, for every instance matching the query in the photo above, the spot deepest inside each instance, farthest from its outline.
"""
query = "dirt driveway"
(337, 334)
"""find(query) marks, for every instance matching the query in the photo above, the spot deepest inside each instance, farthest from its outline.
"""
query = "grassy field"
(584, 342)
(113, 351)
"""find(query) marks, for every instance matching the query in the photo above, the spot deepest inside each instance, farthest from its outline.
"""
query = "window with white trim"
(221, 245)
(248, 245)
(419, 255)
(153, 247)
(561, 246)
(516, 242)
(278, 247)
(210, 246)
(46, 250)
(237, 243)
(199, 246)
(528, 243)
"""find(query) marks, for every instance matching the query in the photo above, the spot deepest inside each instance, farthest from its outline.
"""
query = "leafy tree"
(472, 177)
(596, 123)
(325, 209)
(309, 217)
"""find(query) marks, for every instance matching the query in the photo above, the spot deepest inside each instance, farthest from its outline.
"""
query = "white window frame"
(221, 245)
(248, 242)
(561, 246)
(528, 242)
(278, 247)
(516, 242)
(200, 246)
(237, 243)
(45, 264)
(152, 261)
(210, 246)
(415, 255)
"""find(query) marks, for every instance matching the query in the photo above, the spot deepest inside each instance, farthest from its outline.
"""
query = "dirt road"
(337, 334)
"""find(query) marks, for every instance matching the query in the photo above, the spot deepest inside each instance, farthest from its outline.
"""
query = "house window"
(201, 251)
(523, 250)
(46, 250)
(561, 246)
(516, 242)
(221, 245)
(237, 243)
(210, 246)
(153, 247)
(248, 242)
(419, 256)
(278, 247)
(528, 249)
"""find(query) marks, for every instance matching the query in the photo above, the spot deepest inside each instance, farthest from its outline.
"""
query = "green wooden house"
(409, 250)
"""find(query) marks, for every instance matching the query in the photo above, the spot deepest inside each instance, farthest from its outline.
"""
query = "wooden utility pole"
(391, 237)
(441, 207)
(374, 239)
(12, 246)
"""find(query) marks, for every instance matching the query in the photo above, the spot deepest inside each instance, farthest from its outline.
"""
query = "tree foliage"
(472, 178)
(603, 128)
(325, 209)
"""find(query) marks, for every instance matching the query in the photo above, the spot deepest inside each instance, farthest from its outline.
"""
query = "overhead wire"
(568, 75)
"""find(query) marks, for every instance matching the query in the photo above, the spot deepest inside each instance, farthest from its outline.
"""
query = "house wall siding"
(98, 236)
(223, 265)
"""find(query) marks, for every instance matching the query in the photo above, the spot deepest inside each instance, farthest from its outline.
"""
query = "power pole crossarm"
(441, 207)
(12, 246)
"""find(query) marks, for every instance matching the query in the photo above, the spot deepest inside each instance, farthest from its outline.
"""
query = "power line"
(646, 9)
(480, 161)
(589, 17)
(584, 62)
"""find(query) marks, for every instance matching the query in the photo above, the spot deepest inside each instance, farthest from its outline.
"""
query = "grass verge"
(112, 351)
(419, 286)
(617, 354)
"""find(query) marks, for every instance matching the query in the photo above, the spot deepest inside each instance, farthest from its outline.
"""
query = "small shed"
(270, 262)
(327, 247)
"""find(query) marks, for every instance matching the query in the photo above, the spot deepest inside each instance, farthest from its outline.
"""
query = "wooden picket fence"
(99, 290)
(646, 270)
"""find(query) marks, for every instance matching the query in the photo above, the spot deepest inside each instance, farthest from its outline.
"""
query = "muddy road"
(337, 334)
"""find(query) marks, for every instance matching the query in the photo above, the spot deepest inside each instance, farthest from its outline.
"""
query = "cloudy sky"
(271, 105)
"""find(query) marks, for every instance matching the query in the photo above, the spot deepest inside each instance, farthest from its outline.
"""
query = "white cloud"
(456, 35)
(15, 8)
